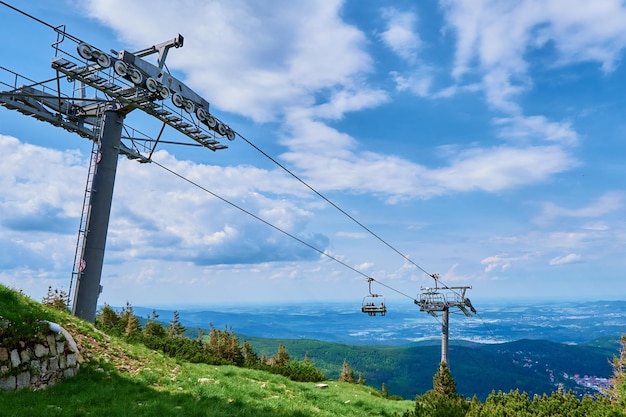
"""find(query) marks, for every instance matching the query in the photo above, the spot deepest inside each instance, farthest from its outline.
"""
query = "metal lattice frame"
(127, 82)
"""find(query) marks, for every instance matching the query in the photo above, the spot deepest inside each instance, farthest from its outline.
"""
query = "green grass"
(123, 379)
(174, 390)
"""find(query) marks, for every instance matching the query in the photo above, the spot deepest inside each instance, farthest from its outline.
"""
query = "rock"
(25, 355)
(321, 385)
(52, 344)
(41, 350)
(53, 363)
(23, 380)
(15, 358)
(8, 383)
(71, 360)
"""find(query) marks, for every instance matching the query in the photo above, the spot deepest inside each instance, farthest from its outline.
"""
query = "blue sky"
(484, 140)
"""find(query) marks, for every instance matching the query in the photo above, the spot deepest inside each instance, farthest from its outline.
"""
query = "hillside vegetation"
(128, 379)
(122, 376)
(533, 366)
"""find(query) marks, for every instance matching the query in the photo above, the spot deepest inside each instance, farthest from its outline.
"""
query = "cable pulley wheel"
(211, 122)
(120, 68)
(85, 51)
(135, 76)
(178, 100)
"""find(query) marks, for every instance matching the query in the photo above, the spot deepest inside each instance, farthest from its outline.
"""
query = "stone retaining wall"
(39, 364)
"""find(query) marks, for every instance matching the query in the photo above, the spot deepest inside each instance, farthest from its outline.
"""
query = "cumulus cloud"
(22, 201)
(307, 68)
(250, 58)
(154, 216)
(39, 205)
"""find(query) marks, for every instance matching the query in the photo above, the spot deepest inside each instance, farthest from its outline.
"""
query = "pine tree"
(282, 357)
(384, 391)
(57, 299)
(234, 353)
(443, 383)
(361, 380)
(176, 329)
(153, 327)
(250, 358)
(347, 374)
(128, 323)
(133, 328)
(617, 392)
(107, 318)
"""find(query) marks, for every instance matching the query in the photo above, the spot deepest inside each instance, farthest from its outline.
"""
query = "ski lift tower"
(123, 82)
(441, 300)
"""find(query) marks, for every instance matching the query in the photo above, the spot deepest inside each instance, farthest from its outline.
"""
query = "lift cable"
(27, 15)
(333, 204)
(434, 276)
(259, 218)
(320, 251)
(195, 184)
(56, 29)
(275, 162)
(405, 257)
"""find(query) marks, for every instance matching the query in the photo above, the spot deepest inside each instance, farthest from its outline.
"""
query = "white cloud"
(250, 58)
(607, 203)
(493, 38)
(155, 215)
(364, 266)
(22, 195)
(565, 239)
(344, 101)
(566, 259)
(400, 35)
(496, 262)
(503, 262)
(289, 67)
(500, 168)
(331, 160)
(418, 84)
(528, 128)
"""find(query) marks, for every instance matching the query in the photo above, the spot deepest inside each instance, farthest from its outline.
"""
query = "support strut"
(88, 283)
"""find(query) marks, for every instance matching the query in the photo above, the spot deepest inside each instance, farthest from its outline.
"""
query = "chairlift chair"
(370, 305)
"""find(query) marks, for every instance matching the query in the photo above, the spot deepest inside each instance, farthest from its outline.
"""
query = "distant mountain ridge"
(403, 350)
(404, 324)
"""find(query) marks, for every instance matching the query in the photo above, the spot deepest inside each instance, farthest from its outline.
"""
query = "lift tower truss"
(441, 300)
(123, 82)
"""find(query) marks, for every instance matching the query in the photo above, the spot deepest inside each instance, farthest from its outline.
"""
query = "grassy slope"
(129, 380)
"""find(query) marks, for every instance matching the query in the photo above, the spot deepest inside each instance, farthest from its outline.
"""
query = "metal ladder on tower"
(79, 262)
